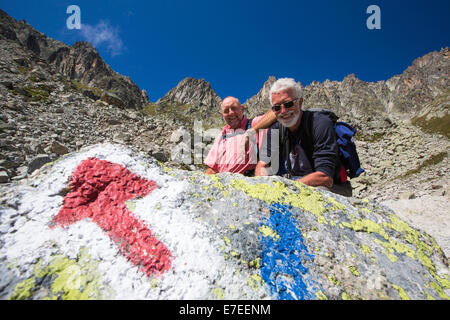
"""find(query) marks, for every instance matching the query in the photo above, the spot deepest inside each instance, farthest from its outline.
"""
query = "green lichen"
(217, 184)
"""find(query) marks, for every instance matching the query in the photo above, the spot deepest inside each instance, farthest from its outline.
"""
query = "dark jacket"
(316, 137)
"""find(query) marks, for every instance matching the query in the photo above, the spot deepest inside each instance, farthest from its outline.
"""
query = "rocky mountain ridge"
(191, 100)
(403, 96)
(81, 63)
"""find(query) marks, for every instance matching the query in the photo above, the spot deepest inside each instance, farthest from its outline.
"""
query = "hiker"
(236, 148)
(308, 149)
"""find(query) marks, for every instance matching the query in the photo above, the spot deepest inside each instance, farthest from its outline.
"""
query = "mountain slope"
(81, 62)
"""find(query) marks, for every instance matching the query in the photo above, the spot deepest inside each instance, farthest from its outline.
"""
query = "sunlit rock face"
(110, 223)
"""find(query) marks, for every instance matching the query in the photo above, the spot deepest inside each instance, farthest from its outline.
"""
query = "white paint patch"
(198, 264)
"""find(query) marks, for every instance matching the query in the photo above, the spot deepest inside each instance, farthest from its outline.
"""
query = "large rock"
(37, 162)
(187, 235)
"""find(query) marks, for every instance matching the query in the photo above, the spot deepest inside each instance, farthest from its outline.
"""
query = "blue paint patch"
(283, 258)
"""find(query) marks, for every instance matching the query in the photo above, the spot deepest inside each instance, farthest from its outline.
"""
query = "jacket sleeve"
(326, 151)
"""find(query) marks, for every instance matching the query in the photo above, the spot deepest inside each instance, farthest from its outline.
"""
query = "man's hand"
(317, 179)
(262, 169)
(210, 171)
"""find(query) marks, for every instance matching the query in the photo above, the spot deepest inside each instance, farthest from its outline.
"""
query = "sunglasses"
(286, 105)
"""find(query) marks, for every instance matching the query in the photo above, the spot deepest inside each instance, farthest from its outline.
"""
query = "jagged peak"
(193, 91)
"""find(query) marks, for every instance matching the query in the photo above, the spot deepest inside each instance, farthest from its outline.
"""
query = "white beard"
(289, 122)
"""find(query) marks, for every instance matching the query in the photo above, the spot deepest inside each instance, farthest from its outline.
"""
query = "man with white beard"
(308, 149)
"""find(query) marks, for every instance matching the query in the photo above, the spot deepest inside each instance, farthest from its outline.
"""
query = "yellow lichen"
(23, 290)
(365, 249)
(366, 225)
(439, 290)
(401, 292)
(336, 205)
(255, 280)
(269, 232)
(320, 295)
(254, 263)
(72, 279)
(333, 279)
(354, 270)
(218, 293)
(345, 296)
(307, 199)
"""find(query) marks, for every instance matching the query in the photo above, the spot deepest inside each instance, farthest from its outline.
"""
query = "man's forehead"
(229, 102)
(286, 92)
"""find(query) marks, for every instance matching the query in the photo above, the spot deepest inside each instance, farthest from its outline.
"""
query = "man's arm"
(266, 121)
(316, 179)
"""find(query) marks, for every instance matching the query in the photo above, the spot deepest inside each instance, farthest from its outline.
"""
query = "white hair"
(283, 84)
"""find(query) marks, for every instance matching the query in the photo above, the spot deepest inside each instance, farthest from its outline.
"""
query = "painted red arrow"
(99, 190)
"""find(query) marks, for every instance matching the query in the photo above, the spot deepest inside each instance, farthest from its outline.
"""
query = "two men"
(305, 141)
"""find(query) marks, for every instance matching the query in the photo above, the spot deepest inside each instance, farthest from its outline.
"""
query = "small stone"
(59, 148)
(407, 195)
(4, 177)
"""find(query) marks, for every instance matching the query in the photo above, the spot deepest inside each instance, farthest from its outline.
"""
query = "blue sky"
(237, 45)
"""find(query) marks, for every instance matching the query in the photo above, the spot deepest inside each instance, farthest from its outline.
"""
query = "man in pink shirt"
(232, 150)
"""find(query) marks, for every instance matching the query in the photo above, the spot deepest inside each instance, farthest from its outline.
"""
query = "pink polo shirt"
(227, 153)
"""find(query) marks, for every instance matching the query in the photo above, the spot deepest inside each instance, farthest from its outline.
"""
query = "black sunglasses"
(287, 105)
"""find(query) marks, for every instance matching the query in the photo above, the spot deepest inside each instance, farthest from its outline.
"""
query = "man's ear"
(300, 102)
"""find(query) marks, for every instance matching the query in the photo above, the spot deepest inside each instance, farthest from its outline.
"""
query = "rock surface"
(229, 236)
(428, 213)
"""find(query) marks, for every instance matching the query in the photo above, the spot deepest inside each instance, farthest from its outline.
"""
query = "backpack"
(347, 148)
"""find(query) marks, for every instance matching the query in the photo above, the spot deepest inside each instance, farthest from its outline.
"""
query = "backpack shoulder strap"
(249, 124)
